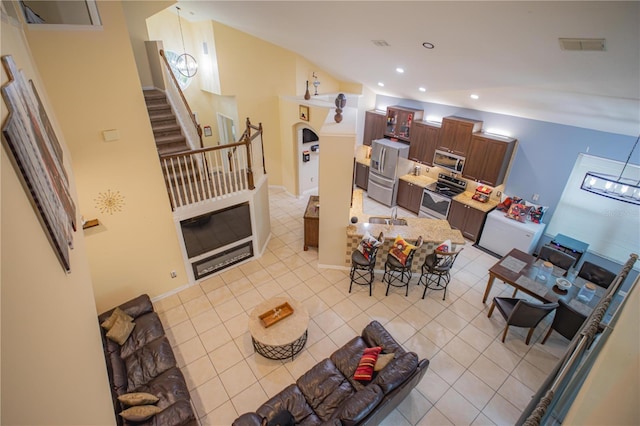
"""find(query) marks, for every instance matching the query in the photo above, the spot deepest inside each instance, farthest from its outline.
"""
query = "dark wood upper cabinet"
(400, 121)
(424, 139)
(374, 126)
(488, 158)
(455, 134)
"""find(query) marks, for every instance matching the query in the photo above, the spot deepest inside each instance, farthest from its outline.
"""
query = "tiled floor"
(473, 378)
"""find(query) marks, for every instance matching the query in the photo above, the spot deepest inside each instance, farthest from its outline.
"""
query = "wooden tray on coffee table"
(276, 314)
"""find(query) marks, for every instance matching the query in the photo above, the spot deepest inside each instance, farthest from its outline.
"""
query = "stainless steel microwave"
(448, 161)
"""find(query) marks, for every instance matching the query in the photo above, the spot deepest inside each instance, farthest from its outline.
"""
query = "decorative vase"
(307, 95)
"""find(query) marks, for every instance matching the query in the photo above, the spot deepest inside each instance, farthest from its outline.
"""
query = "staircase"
(166, 130)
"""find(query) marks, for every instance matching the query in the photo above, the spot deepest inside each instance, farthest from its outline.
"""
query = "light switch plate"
(111, 135)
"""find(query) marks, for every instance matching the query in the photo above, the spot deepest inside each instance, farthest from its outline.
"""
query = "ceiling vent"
(585, 44)
(380, 43)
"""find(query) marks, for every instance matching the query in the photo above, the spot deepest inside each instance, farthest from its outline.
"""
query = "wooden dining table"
(522, 271)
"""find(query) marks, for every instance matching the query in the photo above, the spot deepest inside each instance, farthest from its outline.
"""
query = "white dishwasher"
(501, 234)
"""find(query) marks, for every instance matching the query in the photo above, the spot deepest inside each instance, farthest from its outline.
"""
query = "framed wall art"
(304, 113)
(37, 156)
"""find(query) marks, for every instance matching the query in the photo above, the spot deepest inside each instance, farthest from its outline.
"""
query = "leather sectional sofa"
(328, 394)
(145, 363)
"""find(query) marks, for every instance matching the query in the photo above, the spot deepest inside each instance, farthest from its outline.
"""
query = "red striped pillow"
(364, 371)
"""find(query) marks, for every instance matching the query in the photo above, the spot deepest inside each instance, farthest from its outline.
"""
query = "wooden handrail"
(184, 100)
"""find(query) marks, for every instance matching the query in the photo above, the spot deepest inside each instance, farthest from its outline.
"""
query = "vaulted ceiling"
(506, 52)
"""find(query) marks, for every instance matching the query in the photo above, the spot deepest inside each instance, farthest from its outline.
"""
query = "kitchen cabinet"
(467, 219)
(424, 139)
(455, 134)
(362, 175)
(374, 126)
(400, 122)
(488, 158)
(409, 196)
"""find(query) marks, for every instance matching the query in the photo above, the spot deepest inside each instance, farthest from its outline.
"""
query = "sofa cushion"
(382, 361)
(169, 387)
(356, 408)
(324, 387)
(290, 399)
(140, 413)
(149, 362)
(364, 371)
(180, 413)
(396, 372)
(121, 330)
(148, 328)
(134, 308)
(114, 317)
(346, 359)
(137, 398)
(375, 334)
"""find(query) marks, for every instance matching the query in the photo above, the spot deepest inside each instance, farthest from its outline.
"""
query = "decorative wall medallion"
(110, 202)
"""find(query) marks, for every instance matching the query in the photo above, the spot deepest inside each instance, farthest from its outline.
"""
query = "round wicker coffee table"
(283, 339)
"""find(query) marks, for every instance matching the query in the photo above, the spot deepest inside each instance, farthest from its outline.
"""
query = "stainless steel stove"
(436, 198)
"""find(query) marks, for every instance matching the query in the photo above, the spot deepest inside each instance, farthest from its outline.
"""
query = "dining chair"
(557, 257)
(436, 271)
(395, 271)
(596, 274)
(567, 321)
(362, 268)
(521, 313)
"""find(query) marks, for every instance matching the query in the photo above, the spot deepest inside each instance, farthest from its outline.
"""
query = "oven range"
(436, 198)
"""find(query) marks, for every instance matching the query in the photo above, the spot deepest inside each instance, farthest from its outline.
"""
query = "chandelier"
(185, 63)
(618, 188)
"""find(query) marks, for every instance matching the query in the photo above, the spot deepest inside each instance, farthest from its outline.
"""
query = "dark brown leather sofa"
(327, 394)
(146, 363)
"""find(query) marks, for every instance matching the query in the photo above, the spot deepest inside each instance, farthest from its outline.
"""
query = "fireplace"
(222, 260)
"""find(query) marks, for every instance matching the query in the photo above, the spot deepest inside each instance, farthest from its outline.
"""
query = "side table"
(284, 339)
(312, 222)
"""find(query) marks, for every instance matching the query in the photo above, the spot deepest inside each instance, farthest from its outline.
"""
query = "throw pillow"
(382, 361)
(140, 413)
(368, 245)
(445, 247)
(120, 331)
(536, 213)
(505, 204)
(137, 398)
(364, 371)
(117, 313)
(518, 212)
(401, 249)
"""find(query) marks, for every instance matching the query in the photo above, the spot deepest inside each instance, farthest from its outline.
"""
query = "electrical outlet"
(174, 274)
(535, 197)
(499, 193)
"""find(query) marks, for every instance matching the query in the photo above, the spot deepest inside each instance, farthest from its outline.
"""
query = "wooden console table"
(312, 222)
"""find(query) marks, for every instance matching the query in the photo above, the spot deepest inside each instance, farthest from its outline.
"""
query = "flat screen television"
(211, 231)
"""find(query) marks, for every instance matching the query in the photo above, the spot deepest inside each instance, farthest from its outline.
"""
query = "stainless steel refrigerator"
(384, 170)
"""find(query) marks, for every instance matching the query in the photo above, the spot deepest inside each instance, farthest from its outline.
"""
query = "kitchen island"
(433, 232)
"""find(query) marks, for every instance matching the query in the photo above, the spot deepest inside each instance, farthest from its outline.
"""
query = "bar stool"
(362, 268)
(395, 271)
(436, 271)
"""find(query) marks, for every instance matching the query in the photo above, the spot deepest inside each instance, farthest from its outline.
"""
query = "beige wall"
(611, 392)
(93, 85)
(53, 370)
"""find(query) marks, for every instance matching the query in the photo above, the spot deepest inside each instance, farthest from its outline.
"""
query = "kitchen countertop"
(465, 198)
(421, 180)
(431, 230)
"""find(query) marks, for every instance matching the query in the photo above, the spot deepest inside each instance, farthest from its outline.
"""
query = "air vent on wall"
(585, 44)
(380, 43)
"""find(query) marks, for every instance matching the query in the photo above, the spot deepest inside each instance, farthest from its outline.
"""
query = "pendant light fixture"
(185, 63)
(618, 188)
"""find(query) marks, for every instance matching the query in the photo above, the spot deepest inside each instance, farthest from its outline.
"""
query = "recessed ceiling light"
(474, 96)
(400, 70)
(428, 45)
(381, 84)
(422, 89)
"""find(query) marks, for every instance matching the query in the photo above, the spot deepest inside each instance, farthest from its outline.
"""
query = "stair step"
(165, 127)
(153, 94)
(172, 149)
(158, 107)
(161, 117)
(170, 139)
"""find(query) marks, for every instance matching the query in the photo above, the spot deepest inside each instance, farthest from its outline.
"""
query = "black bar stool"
(395, 272)
(362, 268)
